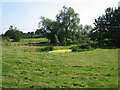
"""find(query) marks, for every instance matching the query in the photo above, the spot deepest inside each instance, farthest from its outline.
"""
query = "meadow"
(24, 67)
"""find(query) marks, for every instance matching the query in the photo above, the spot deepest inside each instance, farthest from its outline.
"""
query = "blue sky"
(26, 15)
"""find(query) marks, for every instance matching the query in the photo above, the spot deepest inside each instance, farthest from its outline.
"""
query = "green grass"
(24, 67)
(26, 41)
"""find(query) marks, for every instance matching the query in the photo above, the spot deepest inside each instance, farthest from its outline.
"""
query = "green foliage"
(48, 48)
(69, 20)
(14, 34)
(56, 39)
(107, 26)
(69, 41)
(65, 26)
(87, 28)
(66, 29)
(84, 40)
(49, 29)
(17, 37)
(8, 39)
(81, 48)
(80, 40)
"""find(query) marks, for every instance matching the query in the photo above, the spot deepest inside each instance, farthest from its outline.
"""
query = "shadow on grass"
(104, 47)
(38, 44)
(46, 44)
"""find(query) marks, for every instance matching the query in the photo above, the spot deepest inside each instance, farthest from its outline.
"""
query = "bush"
(69, 41)
(14, 34)
(81, 48)
(8, 39)
(16, 39)
(75, 41)
(48, 48)
(64, 42)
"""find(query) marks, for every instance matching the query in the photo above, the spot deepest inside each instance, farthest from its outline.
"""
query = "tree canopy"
(65, 27)
(14, 34)
(107, 28)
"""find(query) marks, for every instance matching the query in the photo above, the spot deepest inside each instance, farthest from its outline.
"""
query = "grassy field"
(24, 67)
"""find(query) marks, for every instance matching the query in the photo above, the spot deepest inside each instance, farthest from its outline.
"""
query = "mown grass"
(24, 67)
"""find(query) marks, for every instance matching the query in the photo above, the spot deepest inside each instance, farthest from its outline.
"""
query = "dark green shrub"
(75, 41)
(81, 48)
(14, 34)
(17, 39)
(90, 48)
(48, 48)
(64, 42)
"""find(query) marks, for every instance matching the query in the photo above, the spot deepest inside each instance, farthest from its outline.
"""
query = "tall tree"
(107, 28)
(78, 32)
(69, 21)
(49, 28)
(56, 39)
(65, 27)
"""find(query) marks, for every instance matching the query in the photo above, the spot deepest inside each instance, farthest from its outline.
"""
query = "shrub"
(69, 41)
(14, 34)
(75, 41)
(64, 42)
(48, 48)
(16, 39)
(81, 48)
(8, 39)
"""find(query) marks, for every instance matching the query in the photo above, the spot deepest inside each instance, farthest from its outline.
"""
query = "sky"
(25, 14)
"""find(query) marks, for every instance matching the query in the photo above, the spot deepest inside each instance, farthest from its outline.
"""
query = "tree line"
(107, 28)
(66, 29)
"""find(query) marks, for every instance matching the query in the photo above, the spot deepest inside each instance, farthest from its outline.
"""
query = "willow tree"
(50, 29)
(69, 21)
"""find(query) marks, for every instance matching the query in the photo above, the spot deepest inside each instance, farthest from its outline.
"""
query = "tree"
(113, 26)
(49, 28)
(107, 28)
(25, 35)
(14, 34)
(87, 28)
(56, 40)
(64, 28)
(78, 32)
(38, 32)
(69, 20)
